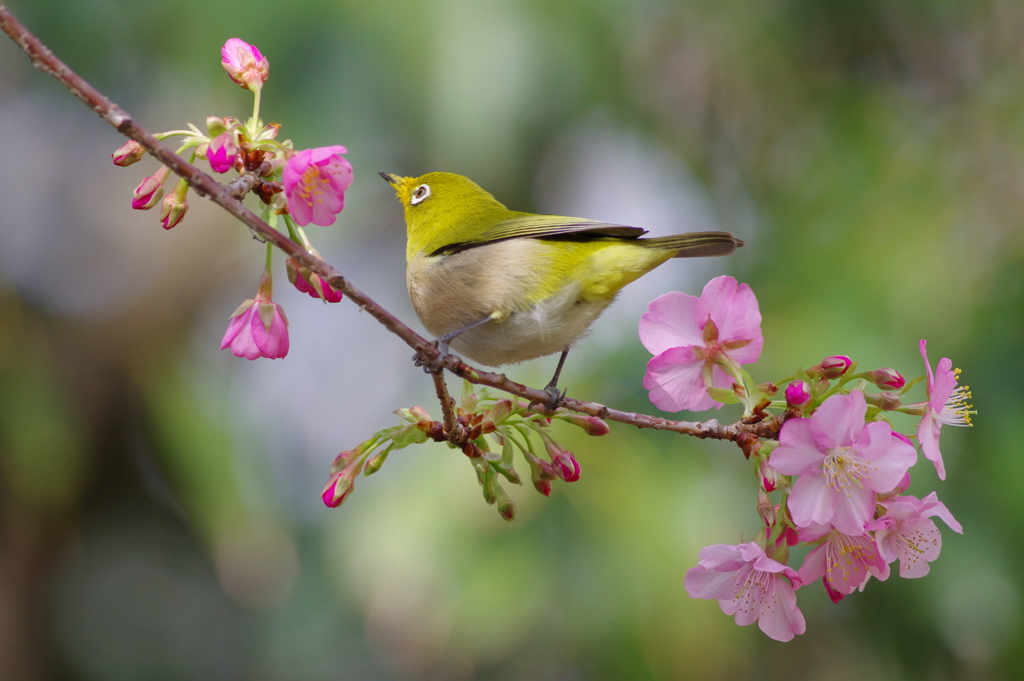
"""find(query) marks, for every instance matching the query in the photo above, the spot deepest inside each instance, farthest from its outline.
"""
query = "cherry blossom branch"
(226, 197)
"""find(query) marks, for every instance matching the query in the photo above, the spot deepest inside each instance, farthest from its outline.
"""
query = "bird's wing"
(544, 227)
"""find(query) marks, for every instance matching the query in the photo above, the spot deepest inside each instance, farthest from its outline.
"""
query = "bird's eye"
(422, 192)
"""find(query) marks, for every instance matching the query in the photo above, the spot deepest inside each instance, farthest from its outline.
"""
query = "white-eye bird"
(501, 286)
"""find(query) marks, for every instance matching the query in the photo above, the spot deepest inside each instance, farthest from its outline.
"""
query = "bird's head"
(444, 208)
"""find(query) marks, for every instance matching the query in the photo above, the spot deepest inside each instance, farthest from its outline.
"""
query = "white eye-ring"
(422, 192)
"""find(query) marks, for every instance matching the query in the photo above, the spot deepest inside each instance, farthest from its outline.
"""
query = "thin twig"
(204, 185)
(447, 406)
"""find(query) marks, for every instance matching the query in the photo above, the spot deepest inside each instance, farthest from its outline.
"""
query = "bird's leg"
(554, 394)
(441, 342)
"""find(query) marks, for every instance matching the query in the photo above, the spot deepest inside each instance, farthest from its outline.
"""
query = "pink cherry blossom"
(907, 532)
(257, 329)
(841, 462)
(222, 152)
(750, 585)
(842, 561)
(692, 337)
(947, 404)
(244, 64)
(315, 181)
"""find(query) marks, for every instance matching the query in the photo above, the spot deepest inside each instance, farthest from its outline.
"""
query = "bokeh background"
(159, 509)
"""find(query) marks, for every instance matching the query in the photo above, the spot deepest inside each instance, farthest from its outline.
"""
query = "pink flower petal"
(273, 342)
(781, 619)
(931, 506)
(319, 155)
(812, 500)
(854, 508)
(701, 582)
(813, 566)
(798, 451)
(722, 557)
(928, 436)
(942, 386)
(239, 336)
(734, 309)
(839, 420)
(670, 322)
(675, 379)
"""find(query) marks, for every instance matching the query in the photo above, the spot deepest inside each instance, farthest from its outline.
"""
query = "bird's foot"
(555, 397)
(430, 367)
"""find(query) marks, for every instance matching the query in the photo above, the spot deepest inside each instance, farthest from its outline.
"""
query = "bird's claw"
(430, 367)
(555, 398)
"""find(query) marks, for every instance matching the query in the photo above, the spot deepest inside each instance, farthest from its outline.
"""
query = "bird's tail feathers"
(696, 244)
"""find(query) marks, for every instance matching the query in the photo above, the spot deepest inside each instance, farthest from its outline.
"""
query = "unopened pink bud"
(834, 366)
(543, 486)
(506, 507)
(338, 488)
(765, 508)
(798, 393)
(887, 379)
(591, 425)
(769, 476)
(565, 466)
(222, 152)
(244, 64)
(420, 413)
(341, 461)
(308, 281)
(269, 131)
(174, 206)
(151, 189)
(884, 401)
(128, 153)
(499, 412)
(215, 125)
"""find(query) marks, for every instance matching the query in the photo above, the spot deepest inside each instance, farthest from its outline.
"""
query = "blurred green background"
(159, 509)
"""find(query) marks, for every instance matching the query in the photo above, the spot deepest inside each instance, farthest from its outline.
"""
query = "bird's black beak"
(393, 180)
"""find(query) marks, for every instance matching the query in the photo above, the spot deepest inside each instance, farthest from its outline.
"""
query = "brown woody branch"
(204, 185)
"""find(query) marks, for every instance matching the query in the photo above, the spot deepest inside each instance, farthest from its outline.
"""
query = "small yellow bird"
(501, 286)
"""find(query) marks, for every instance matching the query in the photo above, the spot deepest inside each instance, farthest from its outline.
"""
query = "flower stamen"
(956, 411)
(843, 469)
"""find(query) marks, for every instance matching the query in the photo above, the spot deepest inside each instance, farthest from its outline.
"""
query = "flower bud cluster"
(300, 187)
(489, 432)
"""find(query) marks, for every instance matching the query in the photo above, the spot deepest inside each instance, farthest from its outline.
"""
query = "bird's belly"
(548, 327)
(451, 293)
